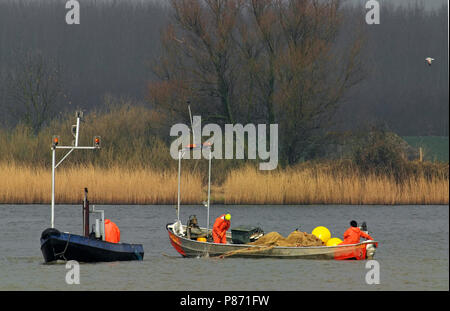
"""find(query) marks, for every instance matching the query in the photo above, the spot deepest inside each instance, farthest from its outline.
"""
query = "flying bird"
(429, 60)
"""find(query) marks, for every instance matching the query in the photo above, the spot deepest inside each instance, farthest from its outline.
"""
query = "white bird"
(429, 60)
(178, 40)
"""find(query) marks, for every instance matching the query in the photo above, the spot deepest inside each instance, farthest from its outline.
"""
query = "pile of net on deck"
(295, 239)
(272, 239)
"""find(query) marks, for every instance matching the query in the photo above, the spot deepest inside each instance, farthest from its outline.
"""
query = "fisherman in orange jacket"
(221, 225)
(112, 232)
(353, 234)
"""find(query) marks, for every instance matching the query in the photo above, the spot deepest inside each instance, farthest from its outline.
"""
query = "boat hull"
(193, 248)
(56, 245)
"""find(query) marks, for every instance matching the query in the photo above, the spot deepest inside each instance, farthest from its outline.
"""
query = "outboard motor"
(370, 248)
(192, 221)
(364, 227)
(370, 251)
(193, 231)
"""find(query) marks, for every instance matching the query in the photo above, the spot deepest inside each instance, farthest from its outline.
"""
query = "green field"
(435, 148)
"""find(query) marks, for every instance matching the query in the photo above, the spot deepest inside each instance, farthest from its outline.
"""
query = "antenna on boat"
(180, 156)
(190, 117)
(181, 153)
(55, 145)
(192, 124)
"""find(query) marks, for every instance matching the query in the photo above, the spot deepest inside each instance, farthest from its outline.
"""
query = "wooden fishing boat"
(192, 248)
(189, 246)
(90, 246)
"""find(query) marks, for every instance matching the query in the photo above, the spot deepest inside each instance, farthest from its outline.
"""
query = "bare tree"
(266, 25)
(273, 61)
(301, 76)
(33, 90)
(198, 58)
(312, 74)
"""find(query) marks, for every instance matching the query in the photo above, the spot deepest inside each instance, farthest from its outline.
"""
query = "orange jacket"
(353, 234)
(112, 232)
(221, 225)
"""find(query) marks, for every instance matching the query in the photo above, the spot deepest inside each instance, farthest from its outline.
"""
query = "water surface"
(413, 252)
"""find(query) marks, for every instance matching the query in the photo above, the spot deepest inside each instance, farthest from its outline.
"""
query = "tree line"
(310, 66)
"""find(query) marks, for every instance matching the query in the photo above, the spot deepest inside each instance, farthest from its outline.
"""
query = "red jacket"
(221, 225)
(353, 234)
(112, 232)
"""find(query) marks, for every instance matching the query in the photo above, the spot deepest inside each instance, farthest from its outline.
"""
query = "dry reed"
(312, 186)
(25, 184)
(304, 185)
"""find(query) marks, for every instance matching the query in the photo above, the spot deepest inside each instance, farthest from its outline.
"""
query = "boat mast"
(209, 191)
(53, 184)
(79, 116)
(180, 155)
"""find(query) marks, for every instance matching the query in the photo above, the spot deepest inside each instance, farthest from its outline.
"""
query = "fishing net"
(295, 239)
(273, 239)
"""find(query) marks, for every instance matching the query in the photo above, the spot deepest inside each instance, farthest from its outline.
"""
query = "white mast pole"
(54, 165)
(53, 186)
(209, 191)
(179, 176)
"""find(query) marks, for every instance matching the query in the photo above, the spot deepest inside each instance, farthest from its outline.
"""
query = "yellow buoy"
(334, 241)
(201, 239)
(322, 233)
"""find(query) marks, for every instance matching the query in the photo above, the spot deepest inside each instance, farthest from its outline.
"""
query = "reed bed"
(322, 186)
(299, 185)
(115, 185)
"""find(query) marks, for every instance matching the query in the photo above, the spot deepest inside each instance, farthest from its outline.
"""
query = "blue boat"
(89, 247)
(56, 245)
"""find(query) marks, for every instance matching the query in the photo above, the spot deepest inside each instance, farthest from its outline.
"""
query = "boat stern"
(360, 251)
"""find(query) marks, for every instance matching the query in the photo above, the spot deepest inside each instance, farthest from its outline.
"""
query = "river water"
(413, 251)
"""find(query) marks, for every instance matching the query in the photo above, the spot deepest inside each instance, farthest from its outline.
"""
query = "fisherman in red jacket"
(112, 232)
(353, 234)
(221, 225)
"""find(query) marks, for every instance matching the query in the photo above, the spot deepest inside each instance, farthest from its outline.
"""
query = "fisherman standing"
(221, 225)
